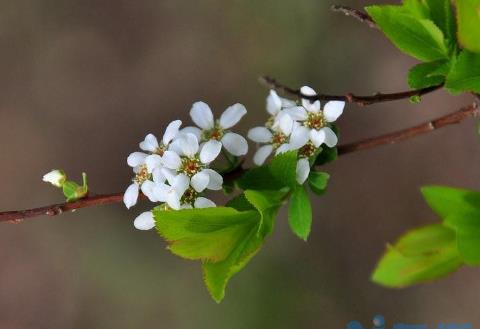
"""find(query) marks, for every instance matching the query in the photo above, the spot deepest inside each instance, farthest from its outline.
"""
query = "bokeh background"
(83, 81)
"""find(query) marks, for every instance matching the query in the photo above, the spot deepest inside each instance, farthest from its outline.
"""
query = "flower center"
(216, 133)
(270, 122)
(142, 175)
(307, 150)
(278, 139)
(315, 120)
(190, 166)
(160, 150)
(189, 196)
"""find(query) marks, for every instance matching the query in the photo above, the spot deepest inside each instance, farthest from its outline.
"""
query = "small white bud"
(55, 177)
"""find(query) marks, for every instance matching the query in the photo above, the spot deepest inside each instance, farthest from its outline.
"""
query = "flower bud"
(55, 177)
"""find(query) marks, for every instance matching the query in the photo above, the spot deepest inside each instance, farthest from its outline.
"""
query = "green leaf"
(217, 274)
(442, 15)
(279, 173)
(204, 234)
(426, 74)
(446, 201)
(468, 19)
(326, 155)
(464, 75)
(419, 256)
(467, 226)
(300, 213)
(318, 181)
(417, 8)
(417, 37)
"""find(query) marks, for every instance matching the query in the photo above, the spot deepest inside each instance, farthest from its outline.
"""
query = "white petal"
(192, 130)
(144, 221)
(171, 131)
(287, 102)
(296, 113)
(150, 143)
(180, 184)
(283, 148)
(260, 135)
(160, 191)
(171, 160)
(215, 181)
(202, 115)
(153, 161)
(210, 151)
(235, 144)
(274, 103)
(332, 110)
(311, 107)
(158, 176)
(262, 154)
(317, 137)
(169, 175)
(330, 138)
(173, 200)
(147, 188)
(189, 145)
(136, 159)
(285, 124)
(202, 202)
(299, 137)
(200, 181)
(55, 177)
(131, 195)
(303, 170)
(232, 115)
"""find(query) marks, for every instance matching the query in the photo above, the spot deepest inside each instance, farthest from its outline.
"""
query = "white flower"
(315, 122)
(213, 131)
(172, 194)
(303, 170)
(202, 202)
(275, 103)
(55, 177)
(144, 221)
(144, 181)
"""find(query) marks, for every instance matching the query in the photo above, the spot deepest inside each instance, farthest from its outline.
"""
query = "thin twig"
(391, 138)
(360, 15)
(348, 98)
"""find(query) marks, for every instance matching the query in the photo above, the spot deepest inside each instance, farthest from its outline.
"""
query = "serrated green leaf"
(464, 75)
(467, 227)
(279, 173)
(417, 8)
(446, 201)
(425, 74)
(421, 255)
(300, 213)
(417, 37)
(217, 274)
(204, 234)
(318, 181)
(468, 20)
(442, 15)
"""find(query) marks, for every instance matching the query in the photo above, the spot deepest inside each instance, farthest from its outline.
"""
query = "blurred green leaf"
(326, 155)
(426, 74)
(441, 13)
(300, 213)
(419, 256)
(468, 20)
(464, 75)
(73, 191)
(415, 36)
(446, 201)
(318, 181)
(467, 226)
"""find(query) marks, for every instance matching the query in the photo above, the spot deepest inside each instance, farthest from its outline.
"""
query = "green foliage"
(419, 256)
(427, 74)
(73, 191)
(326, 155)
(318, 181)
(224, 239)
(468, 17)
(467, 227)
(408, 28)
(279, 173)
(465, 73)
(300, 213)
(446, 201)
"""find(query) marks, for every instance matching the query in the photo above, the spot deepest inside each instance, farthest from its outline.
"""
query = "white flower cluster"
(292, 126)
(176, 171)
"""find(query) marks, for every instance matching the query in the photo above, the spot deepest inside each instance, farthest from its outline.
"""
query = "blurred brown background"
(81, 84)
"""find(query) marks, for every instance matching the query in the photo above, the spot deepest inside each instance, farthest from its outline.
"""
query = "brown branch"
(360, 15)
(348, 98)
(391, 138)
